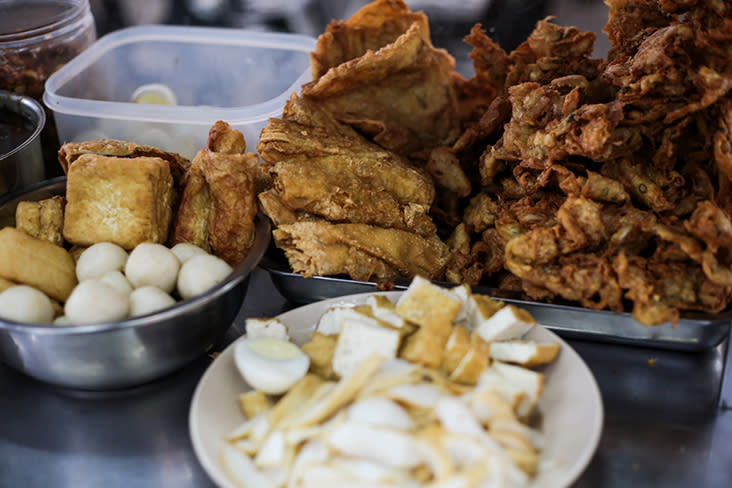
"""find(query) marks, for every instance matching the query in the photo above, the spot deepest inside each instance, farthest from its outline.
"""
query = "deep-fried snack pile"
(603, 182)
(121, 196)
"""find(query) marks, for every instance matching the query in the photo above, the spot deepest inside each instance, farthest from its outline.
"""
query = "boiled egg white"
(270, 365)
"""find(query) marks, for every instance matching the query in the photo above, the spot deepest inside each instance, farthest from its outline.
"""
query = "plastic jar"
(37, 37)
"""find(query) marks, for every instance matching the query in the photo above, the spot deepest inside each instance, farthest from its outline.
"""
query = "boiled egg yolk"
(270, 365)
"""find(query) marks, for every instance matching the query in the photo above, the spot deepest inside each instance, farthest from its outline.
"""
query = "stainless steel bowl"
(23, 164)
(130, 352)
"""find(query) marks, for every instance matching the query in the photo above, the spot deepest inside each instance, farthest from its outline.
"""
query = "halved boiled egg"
(270, 365)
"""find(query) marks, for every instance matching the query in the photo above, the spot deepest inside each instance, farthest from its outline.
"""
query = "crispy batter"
(374, 26)
(401, 95)
(361, 251)
(43, 219)
(603, 182)
(218, 205)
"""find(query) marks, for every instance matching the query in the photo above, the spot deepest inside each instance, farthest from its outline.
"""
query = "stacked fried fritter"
(603, 182)
(609, 183)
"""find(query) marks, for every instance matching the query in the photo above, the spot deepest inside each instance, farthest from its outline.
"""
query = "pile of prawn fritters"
(602, 182)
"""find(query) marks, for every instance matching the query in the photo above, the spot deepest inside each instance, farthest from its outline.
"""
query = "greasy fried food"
(218, 204)
(37, 263)
(361, 251)
(401, 94)
(71, 151)
(121, 200)
(309, 136)
(43, 219)
(602, 182)
(371, 28)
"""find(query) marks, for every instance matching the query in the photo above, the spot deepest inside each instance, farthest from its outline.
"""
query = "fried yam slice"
(362, 251)
(43, 219)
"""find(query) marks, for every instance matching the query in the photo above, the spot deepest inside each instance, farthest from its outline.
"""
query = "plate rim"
(215, 472)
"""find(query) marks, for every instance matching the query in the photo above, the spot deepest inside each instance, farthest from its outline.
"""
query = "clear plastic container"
(197, 75)
(37, 37)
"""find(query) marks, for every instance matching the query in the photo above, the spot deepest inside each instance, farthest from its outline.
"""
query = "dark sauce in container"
(37, 37)
(14, 131)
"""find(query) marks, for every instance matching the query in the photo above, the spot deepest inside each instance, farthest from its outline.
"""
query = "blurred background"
(508, 22)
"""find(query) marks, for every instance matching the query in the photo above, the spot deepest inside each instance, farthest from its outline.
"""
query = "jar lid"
(23, 21)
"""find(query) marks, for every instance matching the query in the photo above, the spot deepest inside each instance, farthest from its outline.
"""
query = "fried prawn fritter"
(363, 252)
(218, 205)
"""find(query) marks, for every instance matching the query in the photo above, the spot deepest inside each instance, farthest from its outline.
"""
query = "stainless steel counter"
(668, 421)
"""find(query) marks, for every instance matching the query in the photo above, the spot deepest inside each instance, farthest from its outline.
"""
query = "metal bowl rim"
(39, 124)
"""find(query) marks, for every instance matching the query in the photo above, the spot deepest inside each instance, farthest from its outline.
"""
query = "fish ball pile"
(114, 285)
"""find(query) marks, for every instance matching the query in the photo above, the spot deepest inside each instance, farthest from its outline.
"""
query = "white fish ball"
(99, 258)
(185, 250)
(117, 280)
(23, 303)
(149, 299)
(200, 273)
(94, 302)
(152, 264)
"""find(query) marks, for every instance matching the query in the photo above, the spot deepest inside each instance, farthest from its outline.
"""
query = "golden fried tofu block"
(36, 262)
(524, 353)
(43, 219)
(474, 362)
(253, 402)
(424, 347)
(71, 151)
(429, 306)
(320, 350)
(125, 201)
(456, 348)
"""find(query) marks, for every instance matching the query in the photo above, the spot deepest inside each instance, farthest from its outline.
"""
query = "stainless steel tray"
(693, 332)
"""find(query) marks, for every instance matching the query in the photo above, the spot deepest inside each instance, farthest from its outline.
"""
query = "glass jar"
(37, 37)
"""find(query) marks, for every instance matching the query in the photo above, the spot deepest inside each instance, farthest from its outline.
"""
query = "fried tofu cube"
(474, 362)
(358, 340)
(383, 309)
(456, 348)
(253, 403)
(429, 306)
(524, 353)
(43, 219)
(320, 349)
(125, 201)
(424, 347)
(507, 323)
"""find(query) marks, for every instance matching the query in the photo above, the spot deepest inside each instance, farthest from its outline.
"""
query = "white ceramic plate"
(571, 405)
